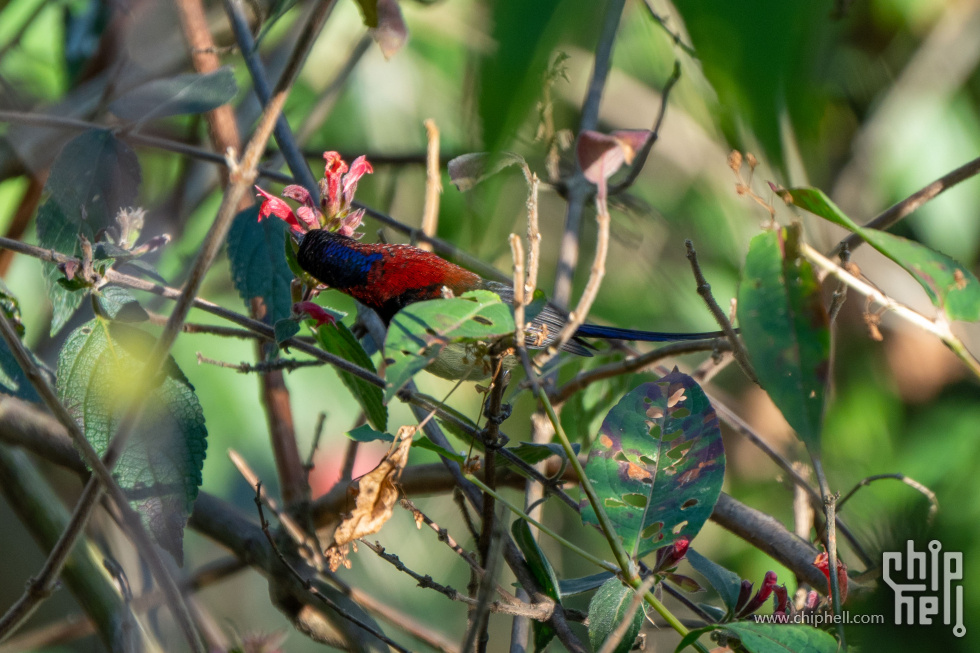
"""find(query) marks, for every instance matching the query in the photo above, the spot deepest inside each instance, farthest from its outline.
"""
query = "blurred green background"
(868, 106)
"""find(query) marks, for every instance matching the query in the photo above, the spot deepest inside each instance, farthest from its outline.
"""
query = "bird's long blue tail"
(612, 333)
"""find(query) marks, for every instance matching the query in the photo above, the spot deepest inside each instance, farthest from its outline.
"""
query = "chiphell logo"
(931, 581)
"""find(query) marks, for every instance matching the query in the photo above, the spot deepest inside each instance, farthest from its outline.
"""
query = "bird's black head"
(334, 260)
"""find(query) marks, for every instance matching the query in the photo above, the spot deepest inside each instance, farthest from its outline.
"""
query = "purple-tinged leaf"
(658, 464)
(601, 155)
(391, 34)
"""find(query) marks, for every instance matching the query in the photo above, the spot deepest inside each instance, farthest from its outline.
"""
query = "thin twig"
(634, 364)
(311, 587)
(264, 367)
(704, 289)
(641, 157)
(939, 326)
(911, 482)
(674, 36)
(433, 184)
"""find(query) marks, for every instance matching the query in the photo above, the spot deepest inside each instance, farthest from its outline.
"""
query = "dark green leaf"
(285, 329)
(725, 582)
(160, 468)
(949, 285)
(448, 333)
(338, 340)
(533, 453)
(607, 609)
(364, 433)
(93, 177)
(573, 586)
(258, 262)
(786, 330)
(179, 95)
(13, 381)
(119, 304)
(770, 638)
(541, 568)
(657, 464)
(144, 268)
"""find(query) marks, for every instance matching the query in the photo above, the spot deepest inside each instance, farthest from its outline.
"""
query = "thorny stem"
(830, 504)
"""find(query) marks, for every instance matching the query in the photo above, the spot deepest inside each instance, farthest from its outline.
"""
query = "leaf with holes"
(257, 254)
(94, 176)
(189, 93)
(607, 609)
(160, 469)
(770, 638)
(786, 329)
(950, 285)
(658, 464)
(448, 333)
(337, 339)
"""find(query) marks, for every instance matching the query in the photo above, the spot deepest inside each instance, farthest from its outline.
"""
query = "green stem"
(608, 566)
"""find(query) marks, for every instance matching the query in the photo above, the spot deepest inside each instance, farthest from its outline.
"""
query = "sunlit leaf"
(93, 177)
(950, 285)
(188, 93)
(770, 638)
(160, 468)
(608, 609)
(786, 329)
(657, 464)
(422, 331)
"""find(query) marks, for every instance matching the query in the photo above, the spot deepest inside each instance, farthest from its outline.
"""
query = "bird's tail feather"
(612, 333)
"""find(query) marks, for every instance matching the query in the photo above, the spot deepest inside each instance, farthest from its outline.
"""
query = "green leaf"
(726, 583)
(364, 433)
(117, 303)
(185, 94)
(657, 464)
(285, 329)
(770, 638)
(573, 586)
(93, 177)
(13, 381)
(607, 609)
(258, 262)
(543, 573)
(949, 285)
(338, 340)
(160, 468)
(424, 442)
(419, 335)
(786, 330)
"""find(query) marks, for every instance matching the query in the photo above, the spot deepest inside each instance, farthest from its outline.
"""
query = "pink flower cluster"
(336, 196)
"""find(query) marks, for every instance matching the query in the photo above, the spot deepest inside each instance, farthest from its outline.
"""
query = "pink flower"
(315, 312)
(822, 562)
(336, 196)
